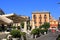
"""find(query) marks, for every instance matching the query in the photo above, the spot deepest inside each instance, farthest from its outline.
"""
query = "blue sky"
(26, 7)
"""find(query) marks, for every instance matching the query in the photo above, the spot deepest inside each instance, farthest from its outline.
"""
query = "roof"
(42, 12)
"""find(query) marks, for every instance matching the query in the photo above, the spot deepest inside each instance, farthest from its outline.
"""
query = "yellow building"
(40, 17)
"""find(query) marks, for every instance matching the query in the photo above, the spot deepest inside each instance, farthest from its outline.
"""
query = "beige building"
(53, 23)
(40, 17)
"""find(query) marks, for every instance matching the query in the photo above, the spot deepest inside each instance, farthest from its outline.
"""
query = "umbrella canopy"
(16, 18)
(11, 18)
(5, 20)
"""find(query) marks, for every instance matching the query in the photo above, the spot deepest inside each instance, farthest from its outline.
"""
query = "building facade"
(40, 17)
(53, 23)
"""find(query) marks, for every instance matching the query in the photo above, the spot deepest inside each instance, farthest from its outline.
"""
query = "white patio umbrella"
(5, 19)
(6, 15)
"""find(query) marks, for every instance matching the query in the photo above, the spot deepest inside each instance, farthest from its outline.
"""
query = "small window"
(54, 21)
(35, 22)
(34, 16)
(45, 16)
(40, 22)
(40, 17)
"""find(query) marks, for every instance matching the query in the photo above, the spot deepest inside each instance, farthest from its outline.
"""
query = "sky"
(26, 7)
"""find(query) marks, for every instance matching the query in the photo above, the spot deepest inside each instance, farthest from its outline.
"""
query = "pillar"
(33, 26)
(25, 26)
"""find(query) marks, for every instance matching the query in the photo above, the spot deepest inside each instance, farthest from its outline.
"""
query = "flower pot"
(15, 38)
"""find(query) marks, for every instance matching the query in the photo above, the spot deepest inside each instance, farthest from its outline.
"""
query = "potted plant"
(15, 34)
(23, 35)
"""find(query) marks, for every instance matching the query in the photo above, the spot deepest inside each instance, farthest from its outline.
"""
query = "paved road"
(2, 35)
(49, 36)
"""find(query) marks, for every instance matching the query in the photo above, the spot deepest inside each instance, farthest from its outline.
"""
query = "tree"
(42, 31)
(46, 25)
(35, 32)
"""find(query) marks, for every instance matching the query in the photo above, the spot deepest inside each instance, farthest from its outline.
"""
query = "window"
(34, 16)
(35, 22)
(40, 22)
(40, 17)
(54, 21)
(45, 16)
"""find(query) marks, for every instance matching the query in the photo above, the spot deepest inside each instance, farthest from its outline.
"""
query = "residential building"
(40, 17)
(53, 23)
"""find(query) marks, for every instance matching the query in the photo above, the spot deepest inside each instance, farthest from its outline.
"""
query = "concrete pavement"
(49, 36)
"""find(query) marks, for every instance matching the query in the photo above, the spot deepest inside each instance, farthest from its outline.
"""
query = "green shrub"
(18, 27)
(13, 27)
(15, 33)
(35, 31)
(42, 31)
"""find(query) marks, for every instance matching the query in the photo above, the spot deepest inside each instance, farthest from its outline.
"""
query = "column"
(25, 26)
(33, 26)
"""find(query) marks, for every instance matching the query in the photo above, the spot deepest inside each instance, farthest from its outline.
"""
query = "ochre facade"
(40, 17)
